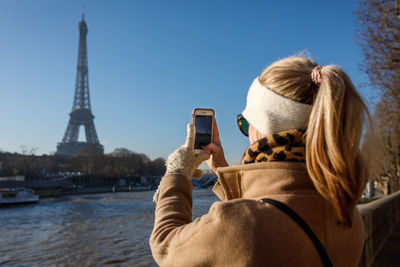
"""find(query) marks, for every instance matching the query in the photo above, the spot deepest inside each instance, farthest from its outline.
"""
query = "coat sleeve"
(176, 240)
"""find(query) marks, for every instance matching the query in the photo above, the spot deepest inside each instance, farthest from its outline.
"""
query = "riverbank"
(55, 192)
(91, 190)
(104, 189)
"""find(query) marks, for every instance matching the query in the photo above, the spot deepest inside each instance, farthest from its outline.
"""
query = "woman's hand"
(184, 161)
(217, 158)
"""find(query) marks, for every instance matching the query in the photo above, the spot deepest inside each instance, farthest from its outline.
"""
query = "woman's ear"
(254, 134)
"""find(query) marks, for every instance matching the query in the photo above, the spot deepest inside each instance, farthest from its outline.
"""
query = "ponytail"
(333, 141)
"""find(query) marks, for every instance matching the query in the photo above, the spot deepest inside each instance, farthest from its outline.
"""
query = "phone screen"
(203, 126)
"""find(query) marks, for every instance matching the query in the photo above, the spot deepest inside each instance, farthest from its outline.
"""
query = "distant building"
(12, 178)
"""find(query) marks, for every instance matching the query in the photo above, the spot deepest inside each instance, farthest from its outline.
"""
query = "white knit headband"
(270, 112)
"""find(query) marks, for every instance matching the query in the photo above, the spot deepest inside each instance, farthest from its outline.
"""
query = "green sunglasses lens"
(243, 125)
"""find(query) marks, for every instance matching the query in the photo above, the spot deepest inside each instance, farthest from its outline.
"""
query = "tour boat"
(17, 195)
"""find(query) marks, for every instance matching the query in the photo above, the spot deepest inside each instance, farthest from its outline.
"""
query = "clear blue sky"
(152, 62)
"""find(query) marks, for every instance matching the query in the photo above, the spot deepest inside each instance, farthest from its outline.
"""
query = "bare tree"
(379, 37)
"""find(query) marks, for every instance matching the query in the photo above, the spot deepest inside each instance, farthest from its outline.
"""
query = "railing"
(380, 217)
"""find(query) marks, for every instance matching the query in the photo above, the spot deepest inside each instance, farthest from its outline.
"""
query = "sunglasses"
(243, 124)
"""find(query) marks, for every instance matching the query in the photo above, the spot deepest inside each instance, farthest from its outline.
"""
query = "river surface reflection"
(84, 230)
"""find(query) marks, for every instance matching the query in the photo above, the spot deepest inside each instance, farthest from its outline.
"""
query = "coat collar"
(257, 180)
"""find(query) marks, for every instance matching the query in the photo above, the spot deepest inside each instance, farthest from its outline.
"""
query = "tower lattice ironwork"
(81, 114)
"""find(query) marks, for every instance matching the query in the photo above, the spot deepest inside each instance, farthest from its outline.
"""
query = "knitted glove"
(184, 160)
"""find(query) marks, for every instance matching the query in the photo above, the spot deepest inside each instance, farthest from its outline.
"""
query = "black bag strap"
(292, 214)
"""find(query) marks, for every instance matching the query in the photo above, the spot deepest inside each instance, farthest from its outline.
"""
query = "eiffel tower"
(81, 114)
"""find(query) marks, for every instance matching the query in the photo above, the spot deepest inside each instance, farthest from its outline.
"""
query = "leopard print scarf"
(281, 146)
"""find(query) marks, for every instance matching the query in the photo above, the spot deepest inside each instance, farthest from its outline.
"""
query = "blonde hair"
(333, 136)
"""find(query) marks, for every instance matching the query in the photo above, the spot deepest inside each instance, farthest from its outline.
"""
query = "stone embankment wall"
(380, 217)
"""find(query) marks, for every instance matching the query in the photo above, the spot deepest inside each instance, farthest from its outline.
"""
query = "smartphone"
(203, 120)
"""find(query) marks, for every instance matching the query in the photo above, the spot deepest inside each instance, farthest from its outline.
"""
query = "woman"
(304, 127)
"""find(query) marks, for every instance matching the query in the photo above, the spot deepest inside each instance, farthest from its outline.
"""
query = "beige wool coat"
(241, 231)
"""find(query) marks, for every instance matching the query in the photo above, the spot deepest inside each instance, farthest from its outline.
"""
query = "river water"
(110, 229)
